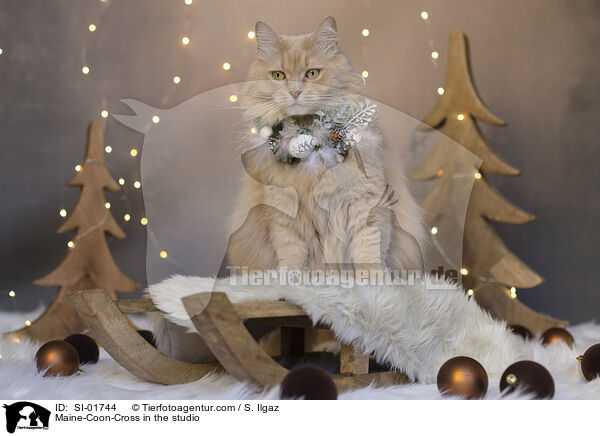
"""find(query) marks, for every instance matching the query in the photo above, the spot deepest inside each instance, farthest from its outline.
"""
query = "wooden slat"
(267, 309)
(352, 361)
(275, 313)
(136, 305)
(245, 310)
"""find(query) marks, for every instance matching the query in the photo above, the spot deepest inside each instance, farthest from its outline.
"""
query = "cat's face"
(297, 75)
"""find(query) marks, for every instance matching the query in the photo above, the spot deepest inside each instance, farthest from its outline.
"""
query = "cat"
(330, 207)
(351, 208)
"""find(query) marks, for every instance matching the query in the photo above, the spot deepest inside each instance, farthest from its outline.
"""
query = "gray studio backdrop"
(534, 64)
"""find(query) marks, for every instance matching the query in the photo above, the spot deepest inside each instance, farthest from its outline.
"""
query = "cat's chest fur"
(319, 185)
(323, 191)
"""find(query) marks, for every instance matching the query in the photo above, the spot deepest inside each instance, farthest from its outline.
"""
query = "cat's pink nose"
(295, 93)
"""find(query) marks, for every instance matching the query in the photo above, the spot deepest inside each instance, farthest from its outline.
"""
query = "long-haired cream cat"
(321, 188)
(349, 204)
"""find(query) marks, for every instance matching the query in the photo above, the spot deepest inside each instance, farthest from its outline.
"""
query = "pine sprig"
(363, 116)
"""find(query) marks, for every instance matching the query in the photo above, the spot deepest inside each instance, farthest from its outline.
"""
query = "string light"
(434, 230)
(365, 74)
(137, 184)
(133, 152)
(92, 27)
(470, 292)
(440, 91)
(70, 244)
(85, 69)
(62, 213)
(104, 114)
(1, 51)
(11, 294)
(251, 35)
(108, 149)
(126, 217)
(163, 254)
(121, 181)
(188, 2)
(513, 292)
(365, 32)
(226, 66)
(440, 172)
(185, 40)
(176, 80)
(477, 175)
(107, 205)
(78, 168)
(144, 221)
(28, 323)
(155, 119)
(254, 130)
(233, 98)
(435, 54)
(460, 117)
(464, 271)
(424, 15)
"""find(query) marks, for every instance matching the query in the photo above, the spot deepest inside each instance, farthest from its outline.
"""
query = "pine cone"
(336, 135)
(274, 143)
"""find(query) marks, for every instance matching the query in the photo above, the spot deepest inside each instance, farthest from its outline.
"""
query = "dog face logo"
(25, 415)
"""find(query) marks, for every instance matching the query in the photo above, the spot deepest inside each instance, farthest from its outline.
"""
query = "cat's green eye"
(312, 73)
(278, 75)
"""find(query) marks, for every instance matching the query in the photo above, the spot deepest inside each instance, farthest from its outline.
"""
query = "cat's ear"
(326, 37)
(266, 40)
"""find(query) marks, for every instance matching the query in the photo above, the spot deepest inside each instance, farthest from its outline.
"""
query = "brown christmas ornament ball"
(462, 376)
(308, 382)
(86, 347)
(520, 331)
(148, 336)
(528, 377)
(590, 362)
(57, 358)
(556, 334)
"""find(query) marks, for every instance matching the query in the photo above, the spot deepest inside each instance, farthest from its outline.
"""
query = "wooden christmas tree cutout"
(89, 263)
(490, 267)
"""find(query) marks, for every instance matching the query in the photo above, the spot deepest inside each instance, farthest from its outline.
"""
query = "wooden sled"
(221, 326)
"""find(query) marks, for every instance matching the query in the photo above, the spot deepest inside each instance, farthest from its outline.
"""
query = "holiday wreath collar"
(337, 129)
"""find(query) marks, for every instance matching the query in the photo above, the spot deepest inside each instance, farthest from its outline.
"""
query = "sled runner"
(221, 326)
(114, 332)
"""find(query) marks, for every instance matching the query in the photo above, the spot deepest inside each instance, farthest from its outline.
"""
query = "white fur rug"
(406, 326)
(107, 380)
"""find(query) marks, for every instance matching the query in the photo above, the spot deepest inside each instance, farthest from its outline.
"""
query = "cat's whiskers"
(217, 106)
(273, 108)
(262, 97)
(271, 112)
